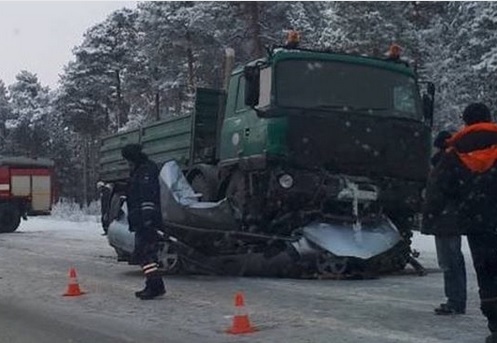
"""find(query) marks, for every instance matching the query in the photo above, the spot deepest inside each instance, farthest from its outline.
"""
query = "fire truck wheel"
(10, 218)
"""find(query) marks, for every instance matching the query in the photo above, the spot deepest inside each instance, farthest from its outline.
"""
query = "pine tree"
(5, 114)
(144, 64)
(30, 104)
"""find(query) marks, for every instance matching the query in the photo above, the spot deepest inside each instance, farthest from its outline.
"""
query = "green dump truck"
(329, 147)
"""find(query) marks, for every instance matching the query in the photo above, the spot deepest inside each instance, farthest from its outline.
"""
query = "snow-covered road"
(36, 260)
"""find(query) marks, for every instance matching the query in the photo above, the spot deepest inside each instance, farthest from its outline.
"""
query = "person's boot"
(447, 309)
(155, 288)
(492, 338)
(138, 294)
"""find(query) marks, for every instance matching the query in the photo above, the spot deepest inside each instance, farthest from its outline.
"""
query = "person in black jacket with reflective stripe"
(144, 217)
(461, 199)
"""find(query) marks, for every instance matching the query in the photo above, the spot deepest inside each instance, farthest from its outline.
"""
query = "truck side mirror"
(252, 85)
(428, 102)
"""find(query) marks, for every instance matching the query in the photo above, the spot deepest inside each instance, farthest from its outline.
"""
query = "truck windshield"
(338, 86)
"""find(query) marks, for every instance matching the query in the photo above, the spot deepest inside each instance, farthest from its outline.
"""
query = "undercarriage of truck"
(308, 224)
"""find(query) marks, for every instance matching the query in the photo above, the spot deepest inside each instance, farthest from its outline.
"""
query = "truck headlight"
(286, 181)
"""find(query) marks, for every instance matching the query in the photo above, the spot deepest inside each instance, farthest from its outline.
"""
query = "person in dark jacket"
(449, 255)
(144, 217)
(461, 199)
(440, 144)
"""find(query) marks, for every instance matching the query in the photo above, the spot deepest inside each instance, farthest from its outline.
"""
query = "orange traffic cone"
(241, 322)
(73, 287)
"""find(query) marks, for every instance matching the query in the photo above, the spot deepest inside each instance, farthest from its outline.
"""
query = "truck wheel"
(10, 218)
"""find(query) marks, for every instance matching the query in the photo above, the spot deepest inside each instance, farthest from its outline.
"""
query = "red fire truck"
(26, 188)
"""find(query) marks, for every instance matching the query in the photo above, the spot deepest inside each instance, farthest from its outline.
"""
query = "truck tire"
(10, 218)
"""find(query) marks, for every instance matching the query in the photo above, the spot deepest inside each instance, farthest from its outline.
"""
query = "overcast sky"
(38, 36)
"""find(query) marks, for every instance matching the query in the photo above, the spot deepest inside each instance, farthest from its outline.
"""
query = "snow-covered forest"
(143, 64)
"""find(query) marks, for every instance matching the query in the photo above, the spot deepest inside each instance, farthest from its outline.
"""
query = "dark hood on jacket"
(133, 153)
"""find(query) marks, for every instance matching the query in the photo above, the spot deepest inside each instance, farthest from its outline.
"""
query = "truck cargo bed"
(181, 138)
(164, 140)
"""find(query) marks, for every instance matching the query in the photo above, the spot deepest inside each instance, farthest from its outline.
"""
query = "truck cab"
(300, 114)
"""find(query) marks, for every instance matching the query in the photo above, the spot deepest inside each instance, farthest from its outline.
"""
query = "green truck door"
(244, 133)
(232, 133)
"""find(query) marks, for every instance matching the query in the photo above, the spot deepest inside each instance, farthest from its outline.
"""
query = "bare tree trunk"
(122, 117)
(417, 25)
(229, 62)
(191, 62)
(253, 8)
(93, 167)
(118, 90)
(85, 169)
(157, 106)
